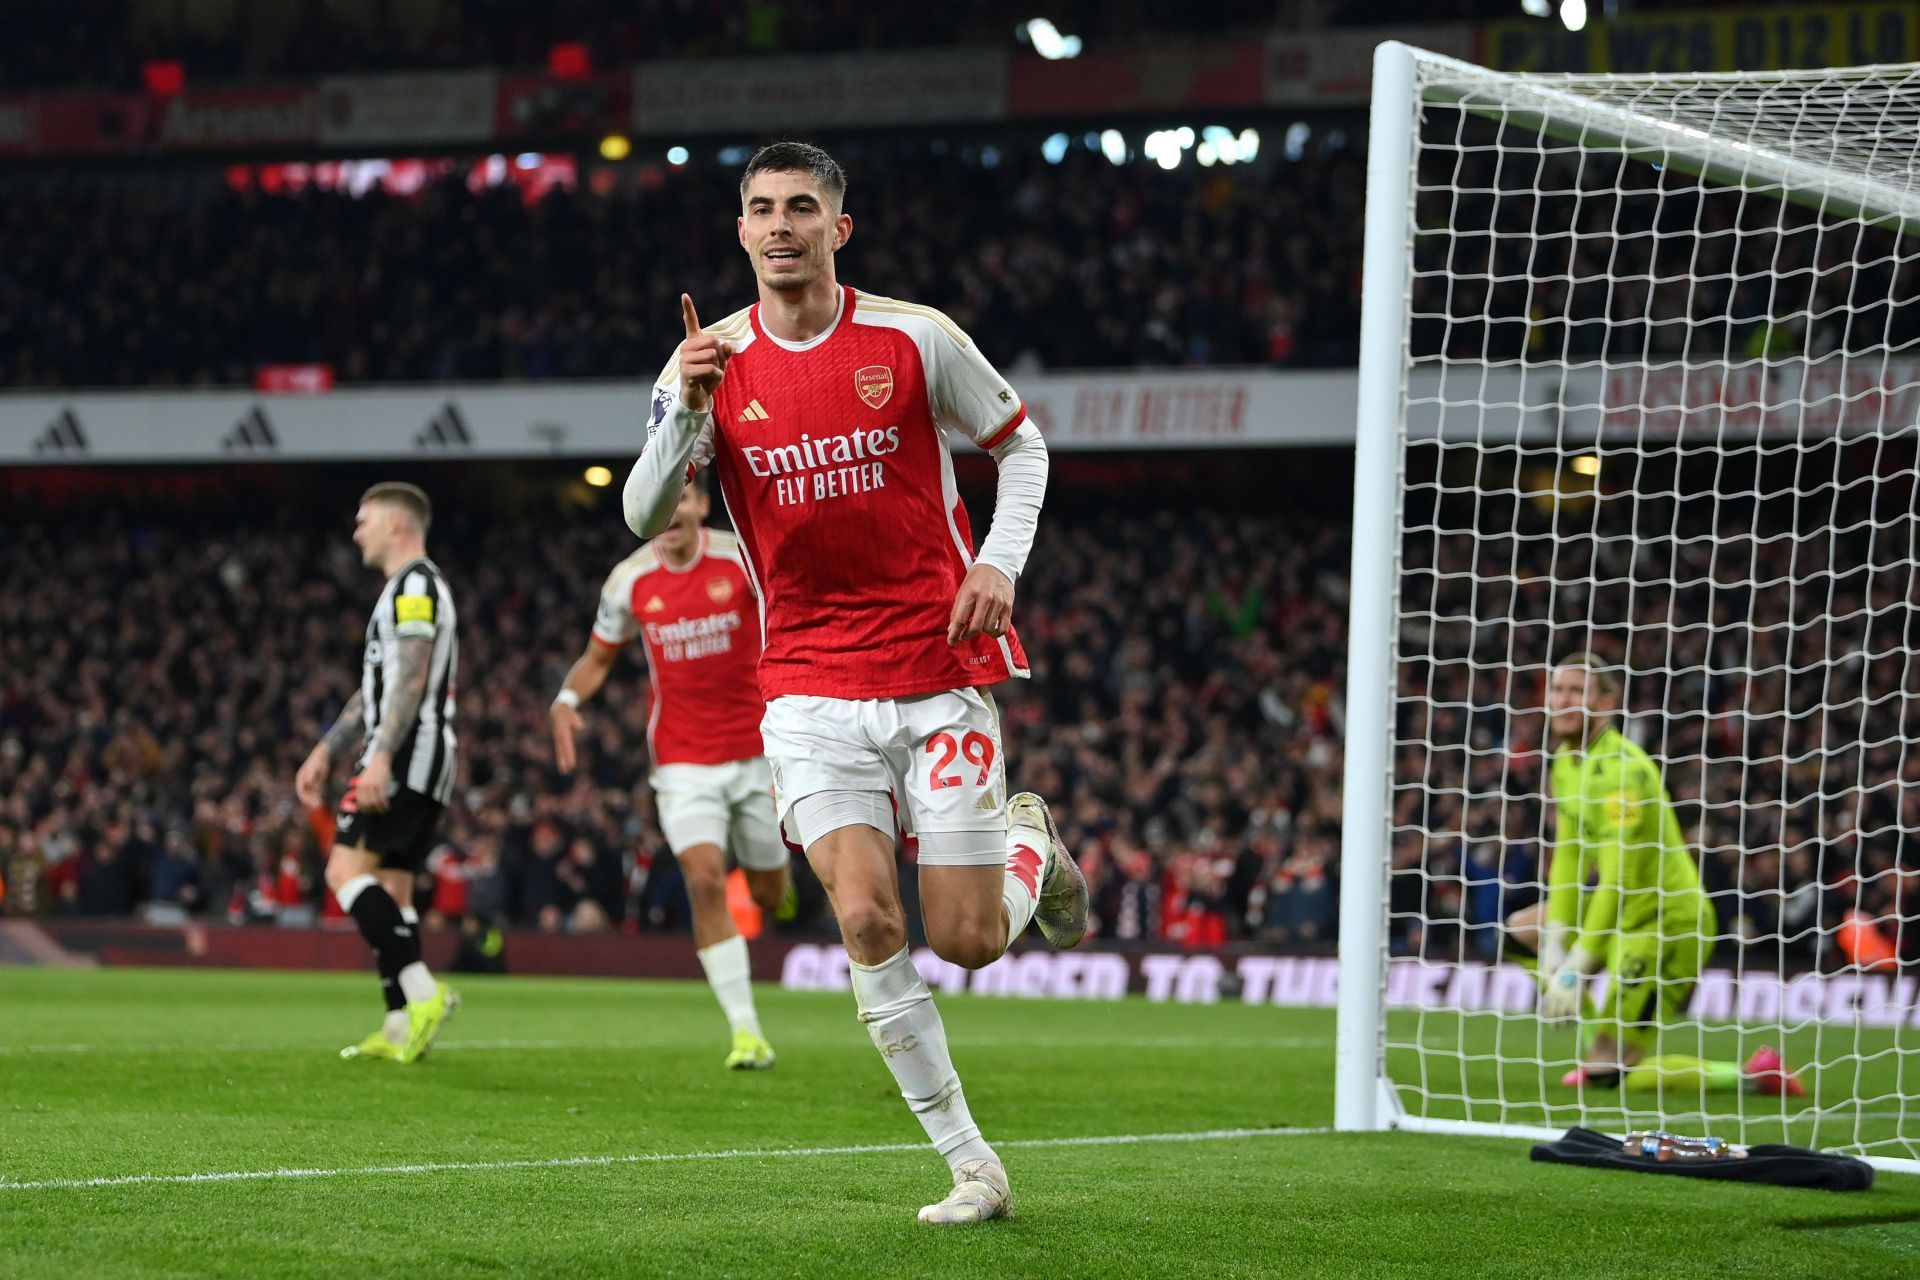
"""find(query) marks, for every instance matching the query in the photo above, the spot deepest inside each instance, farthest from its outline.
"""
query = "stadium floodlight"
(1715, 278)
(1048, 42)
(1536, 8)
(1573, 14)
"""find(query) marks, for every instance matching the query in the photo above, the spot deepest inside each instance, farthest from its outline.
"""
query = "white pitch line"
(290, 1046)
(658, 1157)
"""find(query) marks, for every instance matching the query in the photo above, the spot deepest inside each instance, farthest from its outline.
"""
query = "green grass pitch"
(460, 1166)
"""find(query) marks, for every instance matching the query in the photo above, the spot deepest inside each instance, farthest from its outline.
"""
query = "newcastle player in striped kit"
(390, 814)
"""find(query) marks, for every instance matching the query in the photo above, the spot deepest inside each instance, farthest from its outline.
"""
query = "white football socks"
(416, 982)
(1026, 868)
(397, 1027)
(898, 1009)
(730, 974)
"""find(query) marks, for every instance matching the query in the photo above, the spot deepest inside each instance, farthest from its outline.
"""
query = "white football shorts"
(935, 758)
(730, 805)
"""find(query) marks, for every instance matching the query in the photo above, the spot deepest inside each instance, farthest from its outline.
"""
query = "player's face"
(688, 516)
(790, 231)
(1573, 696)
(370, 533)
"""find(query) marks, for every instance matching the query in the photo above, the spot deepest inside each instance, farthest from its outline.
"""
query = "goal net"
(1641, 379)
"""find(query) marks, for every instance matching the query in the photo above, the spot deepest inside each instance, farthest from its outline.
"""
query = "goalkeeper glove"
(1560, 999)
(1553, 951)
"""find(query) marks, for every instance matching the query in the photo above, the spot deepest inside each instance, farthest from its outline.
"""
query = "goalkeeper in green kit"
(1645, 920)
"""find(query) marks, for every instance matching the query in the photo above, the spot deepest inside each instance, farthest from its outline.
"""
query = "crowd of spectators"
(1533, 249)
(1076, 264)
(102, 43)
(1763, 618)
(161, 675)
(164, 674)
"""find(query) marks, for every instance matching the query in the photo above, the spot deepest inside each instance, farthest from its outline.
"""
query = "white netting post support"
(1359, 1061)
(1657, 398)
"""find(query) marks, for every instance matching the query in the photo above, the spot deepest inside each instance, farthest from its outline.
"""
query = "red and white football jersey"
(837, 477)
(701, 626)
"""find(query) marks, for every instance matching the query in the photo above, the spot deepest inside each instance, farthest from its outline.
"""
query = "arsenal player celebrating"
(821, 409)
(686, 596)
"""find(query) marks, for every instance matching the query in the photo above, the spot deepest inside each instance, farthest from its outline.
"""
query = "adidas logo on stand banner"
(252, 434)
(447, 429)
(63, 435)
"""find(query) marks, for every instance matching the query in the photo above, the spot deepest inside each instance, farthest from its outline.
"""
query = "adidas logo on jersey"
(753, 413)
(655, 605)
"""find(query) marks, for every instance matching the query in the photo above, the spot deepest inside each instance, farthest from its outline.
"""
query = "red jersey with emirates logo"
(831, 457)
(701, 626)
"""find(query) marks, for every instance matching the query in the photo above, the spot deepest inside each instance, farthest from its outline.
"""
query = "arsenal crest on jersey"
(719, 590)
(875, 384)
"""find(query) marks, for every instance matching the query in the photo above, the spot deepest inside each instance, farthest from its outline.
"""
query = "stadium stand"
(179, 666)
(1201, 266)
(104, 42)
(1186, 711)
(1795, 805)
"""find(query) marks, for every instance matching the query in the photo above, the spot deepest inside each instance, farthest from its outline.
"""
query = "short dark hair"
(410, 498)
(799, 157)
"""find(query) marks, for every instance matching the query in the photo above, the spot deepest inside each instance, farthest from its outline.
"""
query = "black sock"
(395, 943)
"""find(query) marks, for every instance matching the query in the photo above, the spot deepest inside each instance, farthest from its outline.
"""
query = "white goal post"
(1639, 377)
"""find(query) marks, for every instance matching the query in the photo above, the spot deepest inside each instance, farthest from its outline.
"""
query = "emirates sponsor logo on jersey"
(874, 383)
(820, 468)
(694, 637)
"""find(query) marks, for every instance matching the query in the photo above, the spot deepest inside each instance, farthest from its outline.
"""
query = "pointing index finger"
(687, 314)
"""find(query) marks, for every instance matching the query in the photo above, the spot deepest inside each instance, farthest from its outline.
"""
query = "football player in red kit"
(822, 410)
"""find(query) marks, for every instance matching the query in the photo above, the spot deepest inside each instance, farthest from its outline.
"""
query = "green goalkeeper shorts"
(1650, 978)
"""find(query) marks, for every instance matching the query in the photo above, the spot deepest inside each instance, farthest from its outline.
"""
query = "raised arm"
(680, 431)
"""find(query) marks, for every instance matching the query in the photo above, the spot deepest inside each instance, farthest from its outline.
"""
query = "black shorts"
(403, 835)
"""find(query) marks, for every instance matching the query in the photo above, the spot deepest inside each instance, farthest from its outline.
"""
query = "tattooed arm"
(310, 783)
(351, 724)
(412, 662)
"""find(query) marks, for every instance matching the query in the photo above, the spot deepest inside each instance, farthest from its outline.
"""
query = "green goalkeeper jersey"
(1617, 829)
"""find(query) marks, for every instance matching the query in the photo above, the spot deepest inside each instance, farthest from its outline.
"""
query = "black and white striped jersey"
(415, 605)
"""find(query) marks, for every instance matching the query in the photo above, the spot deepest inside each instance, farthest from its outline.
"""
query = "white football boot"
(980, 1192)
(1062, 913)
